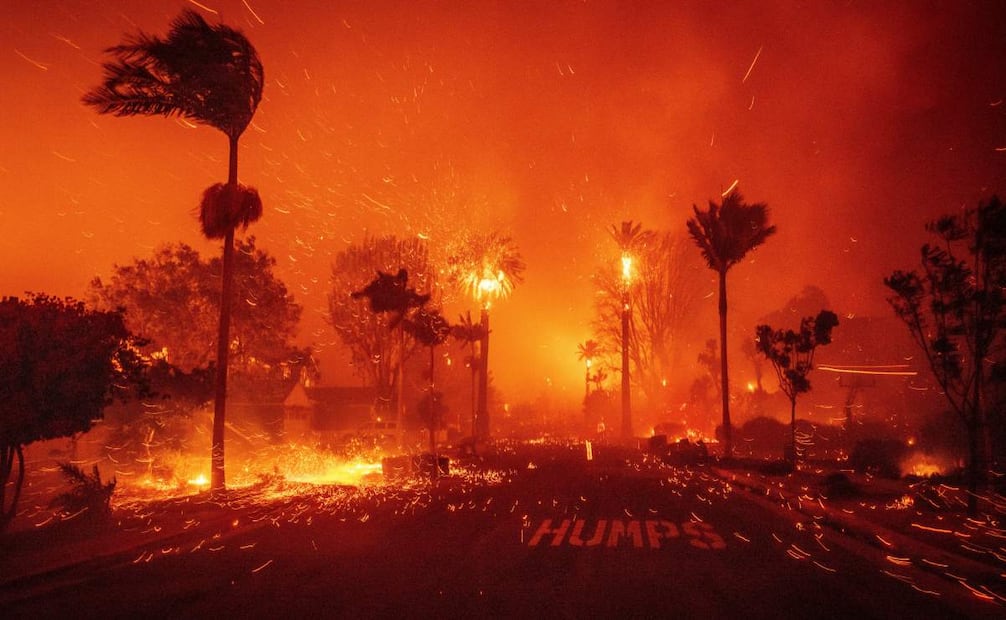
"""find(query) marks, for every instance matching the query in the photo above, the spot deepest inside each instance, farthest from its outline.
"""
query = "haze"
(856, 122)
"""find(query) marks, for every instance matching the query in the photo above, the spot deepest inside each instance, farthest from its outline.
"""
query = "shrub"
(763, 435)
(838, 484)
(778, 467)
(87, 492)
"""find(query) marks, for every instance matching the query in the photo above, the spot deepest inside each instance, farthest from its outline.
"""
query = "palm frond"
(630, 236)
(208, 73)
(726, 232)
(486, 258)
(224, 207)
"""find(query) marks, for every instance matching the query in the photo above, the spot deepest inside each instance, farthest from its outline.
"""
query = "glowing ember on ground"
(178, 474)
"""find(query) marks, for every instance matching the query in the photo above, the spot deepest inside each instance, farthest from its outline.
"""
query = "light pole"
(626, 309)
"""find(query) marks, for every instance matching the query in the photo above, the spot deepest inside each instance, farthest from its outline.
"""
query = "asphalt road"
(546, 534)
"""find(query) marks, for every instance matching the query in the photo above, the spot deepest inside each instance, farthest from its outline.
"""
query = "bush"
(837, 484)
(87, 492)
(763, 435)
(778, 467)
(880, 457)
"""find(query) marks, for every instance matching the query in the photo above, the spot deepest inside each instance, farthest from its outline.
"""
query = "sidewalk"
(895, 518)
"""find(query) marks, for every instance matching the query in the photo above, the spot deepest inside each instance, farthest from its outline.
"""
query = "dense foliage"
(173, 298)
(60, 366)
(955, 310)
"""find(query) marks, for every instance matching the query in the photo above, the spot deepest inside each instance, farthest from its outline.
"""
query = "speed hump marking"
(651, 533)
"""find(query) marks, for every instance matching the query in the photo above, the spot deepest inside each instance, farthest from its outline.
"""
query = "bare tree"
(372, 342)
(664, 294)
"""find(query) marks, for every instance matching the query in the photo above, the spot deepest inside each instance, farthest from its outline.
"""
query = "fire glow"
(182, 474)
(925, 465)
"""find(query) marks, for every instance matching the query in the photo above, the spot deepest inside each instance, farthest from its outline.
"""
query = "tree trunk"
(792, 431)
(973, 464)
(400, 388)
(626, 395)
(482, 415)
(6, 467)
(217, 478)
(850, 400)
(433, 417)
(475, 372)
(982, 453)
(728, 445)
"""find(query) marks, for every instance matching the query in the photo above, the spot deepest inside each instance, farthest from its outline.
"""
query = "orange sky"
(855, 123)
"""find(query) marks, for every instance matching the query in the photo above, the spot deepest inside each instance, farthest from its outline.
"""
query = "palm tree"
(631, 238)
(466, 330)
(587, 352)
(487, 266)
(725, 233)
(430, 328)
(210, 74)
(390, 294)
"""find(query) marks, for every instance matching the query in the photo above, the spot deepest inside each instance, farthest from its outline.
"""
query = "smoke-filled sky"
(856, 122)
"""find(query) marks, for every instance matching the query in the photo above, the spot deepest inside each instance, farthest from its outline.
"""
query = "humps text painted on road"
(616, 532)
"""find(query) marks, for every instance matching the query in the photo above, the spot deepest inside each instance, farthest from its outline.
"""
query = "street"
(545, 534)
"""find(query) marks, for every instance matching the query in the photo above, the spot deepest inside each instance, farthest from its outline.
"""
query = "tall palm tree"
(587, 352)
(430, 328)
(631, 238)
(488, 266)
(725, 233)
(466, 330)
(212, 75)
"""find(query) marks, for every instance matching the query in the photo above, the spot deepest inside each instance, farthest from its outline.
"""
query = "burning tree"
(60, 365)
(725, 233)
(212, 75)
(487, 266)
(663, 296)
(791, 354)
(955, 310)
(587, 352)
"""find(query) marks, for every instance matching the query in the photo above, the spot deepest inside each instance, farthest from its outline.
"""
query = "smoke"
(855, 122)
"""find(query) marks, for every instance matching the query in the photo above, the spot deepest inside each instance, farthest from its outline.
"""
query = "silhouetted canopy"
(725, 233)
(208, 73)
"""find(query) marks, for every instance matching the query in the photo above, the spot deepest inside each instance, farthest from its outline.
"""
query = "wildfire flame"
(925, 465)
(183, 474)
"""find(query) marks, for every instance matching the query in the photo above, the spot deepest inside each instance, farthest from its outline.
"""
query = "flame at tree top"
(486, 266)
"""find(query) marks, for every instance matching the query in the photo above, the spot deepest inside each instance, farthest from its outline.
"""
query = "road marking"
(612, 533)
